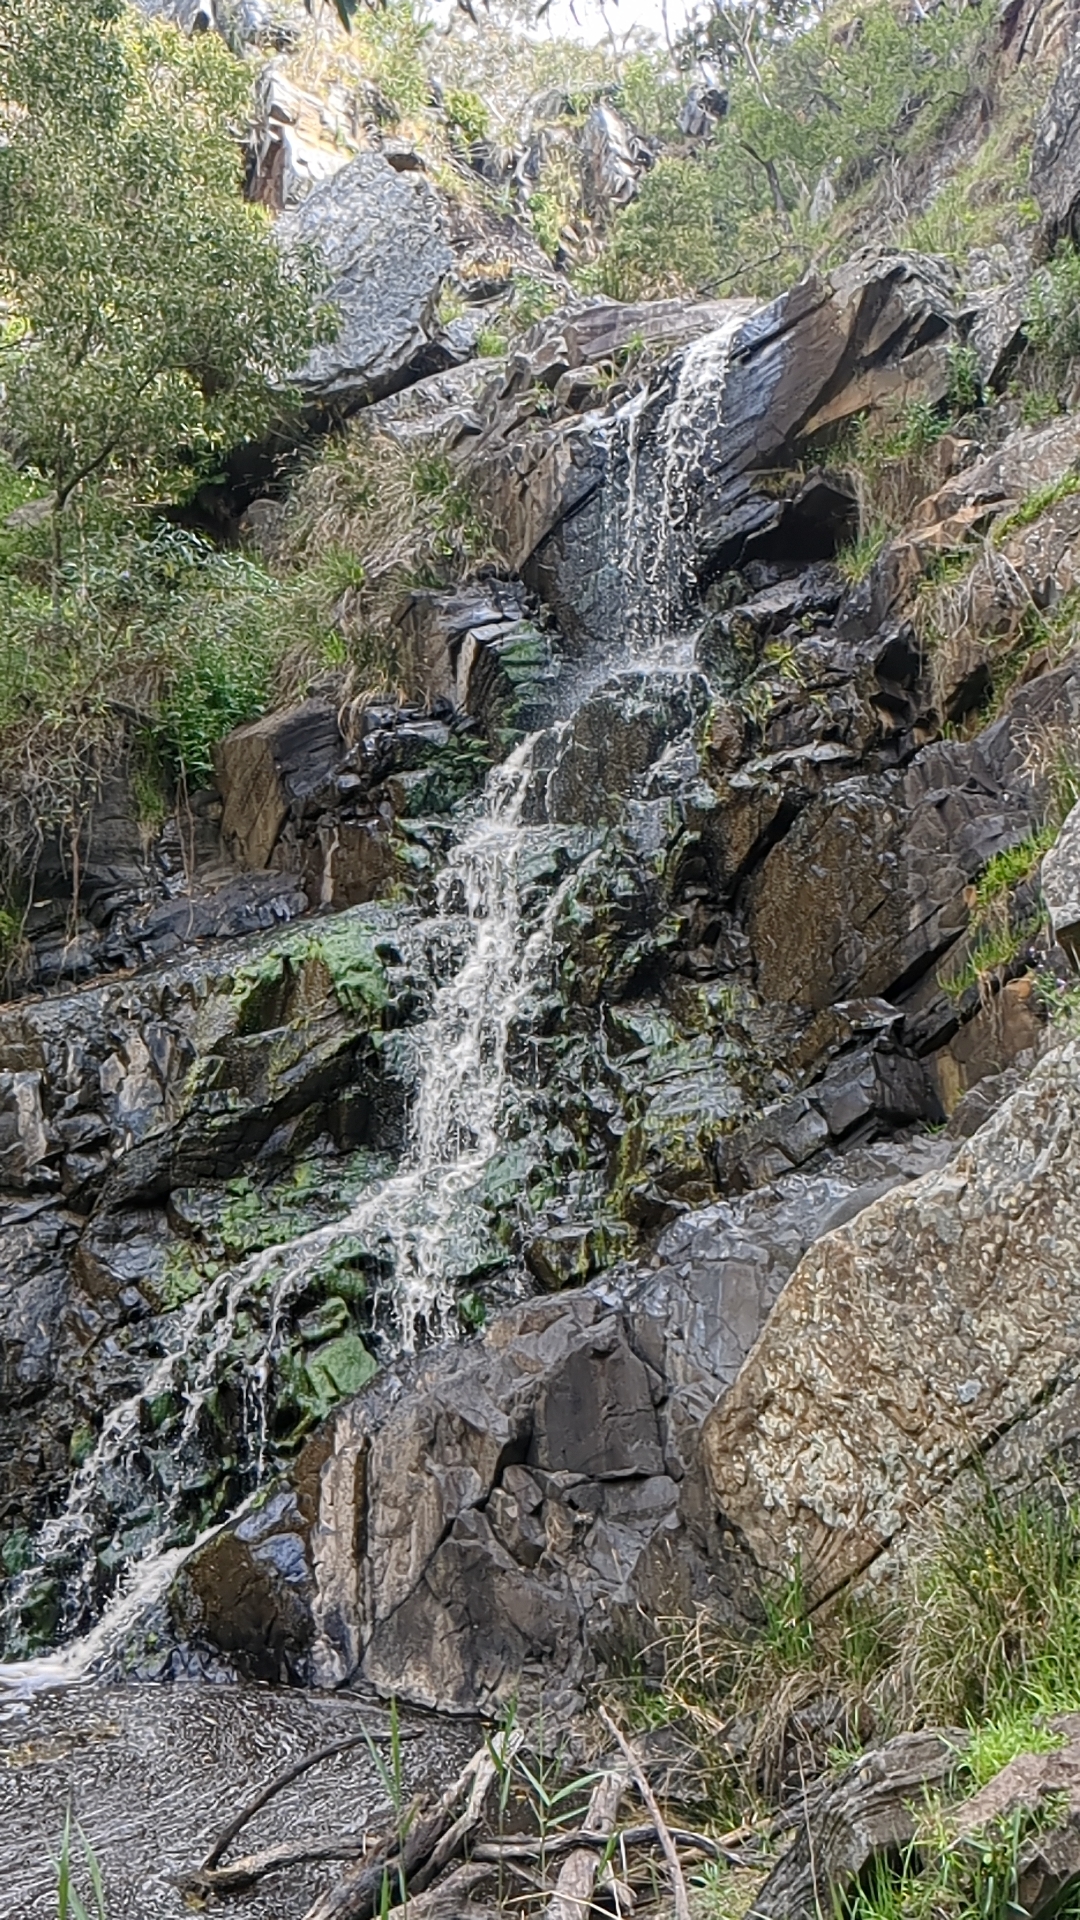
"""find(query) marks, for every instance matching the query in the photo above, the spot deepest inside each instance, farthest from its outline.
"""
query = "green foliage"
(1052, 318)
(827, 100)
(668, 238)
(1008, 868)
(159, 318)
(1035, 506)
(466, 113)
(856, 559)
(965, 385)
(993, 1626)
(70, 1904)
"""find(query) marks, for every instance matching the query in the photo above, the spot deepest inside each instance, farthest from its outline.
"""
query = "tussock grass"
(370, 518)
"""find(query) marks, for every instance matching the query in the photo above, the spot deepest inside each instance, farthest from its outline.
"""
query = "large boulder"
(379, 233)
(487, 1519)
(906, 1342)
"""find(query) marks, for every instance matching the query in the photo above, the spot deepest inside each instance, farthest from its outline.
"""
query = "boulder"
(379, 233)
(1061, 886)
(264, 767)
(482, 1521)
(845, 1422)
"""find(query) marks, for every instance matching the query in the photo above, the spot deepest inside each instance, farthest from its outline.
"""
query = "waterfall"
(425, 1227)
(662, 441)
(425, 1224)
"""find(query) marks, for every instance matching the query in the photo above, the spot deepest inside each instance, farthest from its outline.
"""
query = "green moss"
(349, 954)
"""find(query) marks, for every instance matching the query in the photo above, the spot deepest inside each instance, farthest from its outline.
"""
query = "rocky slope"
(590, 1134)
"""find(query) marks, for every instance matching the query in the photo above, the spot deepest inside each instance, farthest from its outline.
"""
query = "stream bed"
(153, 1773)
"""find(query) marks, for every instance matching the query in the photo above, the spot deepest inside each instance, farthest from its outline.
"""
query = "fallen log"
(419, 1848)
(245, 1872)
(870, 1811)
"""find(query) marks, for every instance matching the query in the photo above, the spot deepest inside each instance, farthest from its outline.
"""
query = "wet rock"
(480, 652)
(380, 235)
(839, 1430)
(484, 1521)
(129, 1093)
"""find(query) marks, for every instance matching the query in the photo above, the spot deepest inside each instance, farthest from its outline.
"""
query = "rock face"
(842, 1426)
(876, 332)
(379, 233)
(126, 1111)
(491, 1519)
(1055, 155)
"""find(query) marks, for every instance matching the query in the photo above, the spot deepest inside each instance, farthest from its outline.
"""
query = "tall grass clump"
(370, 518)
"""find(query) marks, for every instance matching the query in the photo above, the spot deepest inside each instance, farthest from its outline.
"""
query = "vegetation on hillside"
(149, 323)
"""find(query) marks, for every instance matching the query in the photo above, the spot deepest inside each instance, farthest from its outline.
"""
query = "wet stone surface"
(152, 1775)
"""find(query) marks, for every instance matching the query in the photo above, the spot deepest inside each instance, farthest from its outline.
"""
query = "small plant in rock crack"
(69, 1903)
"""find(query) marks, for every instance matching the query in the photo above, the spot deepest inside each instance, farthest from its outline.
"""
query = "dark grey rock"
(379, 233)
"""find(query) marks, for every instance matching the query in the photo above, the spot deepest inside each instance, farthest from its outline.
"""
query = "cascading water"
(651, 519)
(425, 1228)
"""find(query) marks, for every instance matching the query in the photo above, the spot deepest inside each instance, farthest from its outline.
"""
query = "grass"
(979, 1630)
(994, 952)
(69, 1902)
(856, 560)
(1035, 506)
(1013, 865)
(369, 518)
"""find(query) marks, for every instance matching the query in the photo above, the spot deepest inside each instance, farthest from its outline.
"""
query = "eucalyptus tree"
(149, 320)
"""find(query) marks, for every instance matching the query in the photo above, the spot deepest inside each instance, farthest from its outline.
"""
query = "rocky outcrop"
(1055, 155)
(1061, 886)
(126, 1110)
(841, 1428)
(876, 332)
(379, 233)
(491, 1519)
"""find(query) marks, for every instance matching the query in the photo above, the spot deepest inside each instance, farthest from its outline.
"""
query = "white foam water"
(651, 526)
(425, 1225)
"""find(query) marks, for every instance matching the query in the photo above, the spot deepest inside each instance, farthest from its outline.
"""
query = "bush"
(1052, 318)
(156, 319)
(370, 518)
(839, 99)
(153, 639)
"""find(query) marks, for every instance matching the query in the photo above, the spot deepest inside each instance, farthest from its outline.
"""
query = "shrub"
(369, 518)
(159, 318)
(1052, 318)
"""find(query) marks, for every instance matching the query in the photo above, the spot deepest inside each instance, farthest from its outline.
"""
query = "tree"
(153, 321)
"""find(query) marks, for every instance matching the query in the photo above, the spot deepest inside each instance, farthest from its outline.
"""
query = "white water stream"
(426, 1225)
